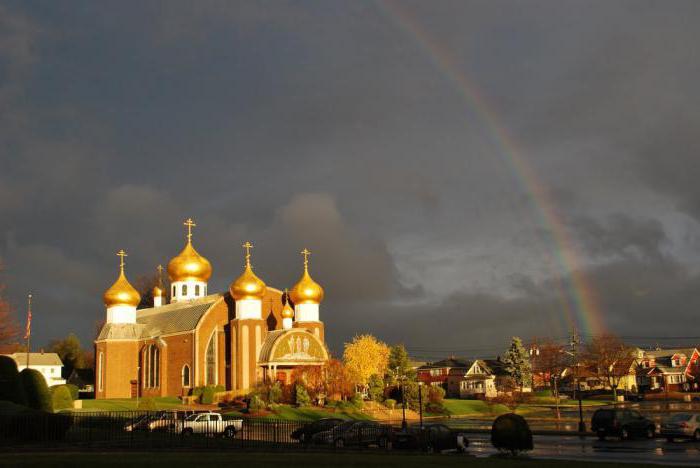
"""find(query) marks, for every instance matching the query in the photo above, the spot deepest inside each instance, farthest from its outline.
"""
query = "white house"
(48, 364)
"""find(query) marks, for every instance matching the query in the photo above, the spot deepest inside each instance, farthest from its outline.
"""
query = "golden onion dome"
(306, 291)
(189, 265)
(121, 292)
(248, 285)
(287, 311)
(158, 288)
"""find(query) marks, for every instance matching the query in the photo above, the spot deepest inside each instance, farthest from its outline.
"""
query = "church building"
(248, 335)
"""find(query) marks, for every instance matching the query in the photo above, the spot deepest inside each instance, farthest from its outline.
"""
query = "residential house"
(473, 380)
(436, 373)
(672, 370)
(48, 364)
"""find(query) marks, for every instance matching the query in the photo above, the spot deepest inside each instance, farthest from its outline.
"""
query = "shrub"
(274, 394)
(61, 397)
(301, 396)
(356, 401)
(10, 385)
(73, 389)
(197, 391)
(36, 390)
(511, 433)
(436, 395)
(147, 404)
(208, 395)
(390, 403)
(256, 404)
(219, 389)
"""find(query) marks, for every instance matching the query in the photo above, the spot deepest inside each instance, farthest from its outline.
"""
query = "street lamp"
(403, 405)
(420, 403)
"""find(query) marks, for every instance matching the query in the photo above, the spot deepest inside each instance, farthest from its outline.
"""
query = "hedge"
(61, 397)
(511, 433)
(10, 385)
(36, 390)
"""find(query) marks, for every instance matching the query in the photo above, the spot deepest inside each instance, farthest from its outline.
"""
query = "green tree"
(516, 363)
(301, 396)
(70, 352)
(375, 388)
(9, 329)
(399, 364)
(36, 390)
(274, 394)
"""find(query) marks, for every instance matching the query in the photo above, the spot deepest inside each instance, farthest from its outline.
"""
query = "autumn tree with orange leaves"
(9, 329)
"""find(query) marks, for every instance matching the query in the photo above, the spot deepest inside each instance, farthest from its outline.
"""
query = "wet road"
(590, 448)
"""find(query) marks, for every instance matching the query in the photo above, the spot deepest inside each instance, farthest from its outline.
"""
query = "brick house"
(247, 335)
(436, 373)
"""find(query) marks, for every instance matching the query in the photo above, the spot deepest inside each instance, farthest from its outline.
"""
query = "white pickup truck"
(209, 424)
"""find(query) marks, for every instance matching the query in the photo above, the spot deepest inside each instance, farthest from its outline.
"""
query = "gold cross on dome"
(160, 269)
(247, 246)
(306, 253)
(121, 254)
(190, 224)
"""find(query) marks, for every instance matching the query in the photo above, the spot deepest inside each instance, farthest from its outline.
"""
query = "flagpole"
(29, 325)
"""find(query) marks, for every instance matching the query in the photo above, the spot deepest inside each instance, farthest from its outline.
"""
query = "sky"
(463, 171)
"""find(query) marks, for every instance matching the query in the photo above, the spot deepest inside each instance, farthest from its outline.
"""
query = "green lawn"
(128, 404)
(276, 460)
(479, 408)
(292, 413)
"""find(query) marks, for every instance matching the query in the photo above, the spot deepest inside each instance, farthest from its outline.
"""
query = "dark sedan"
(430, 438)
(354, 433)
(307, 431)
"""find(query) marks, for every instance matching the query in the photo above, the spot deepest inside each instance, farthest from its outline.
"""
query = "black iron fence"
(146, 430)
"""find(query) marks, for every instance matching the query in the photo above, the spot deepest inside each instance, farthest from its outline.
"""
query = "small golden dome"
(248, 285)
(121, 292)
(306, 291)
(189, 265)
(287, 311)
(158, 288)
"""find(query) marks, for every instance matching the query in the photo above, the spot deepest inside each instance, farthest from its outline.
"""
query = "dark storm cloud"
(329, 125)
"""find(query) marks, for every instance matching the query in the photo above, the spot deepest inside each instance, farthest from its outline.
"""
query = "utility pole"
(575, 341)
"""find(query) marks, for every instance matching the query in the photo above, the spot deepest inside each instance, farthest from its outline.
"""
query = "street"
(590, 448)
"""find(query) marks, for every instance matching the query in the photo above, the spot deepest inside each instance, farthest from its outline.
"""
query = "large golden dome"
(306, 291)
(248, 285)
(121, 292)
(189, 265)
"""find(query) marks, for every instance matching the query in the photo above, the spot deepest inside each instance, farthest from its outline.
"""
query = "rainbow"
(578, 298)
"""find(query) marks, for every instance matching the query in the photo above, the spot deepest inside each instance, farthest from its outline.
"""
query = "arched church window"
(185, 375)
(100, 365)
(210, 358)
(196, 290)
(184, 290)
(152, 367)
(174, 291)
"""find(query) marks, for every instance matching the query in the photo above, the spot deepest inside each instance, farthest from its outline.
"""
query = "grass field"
(291, 413)
(276, 460)
(538, 406)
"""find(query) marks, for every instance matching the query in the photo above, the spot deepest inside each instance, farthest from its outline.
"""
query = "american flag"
(29, 318)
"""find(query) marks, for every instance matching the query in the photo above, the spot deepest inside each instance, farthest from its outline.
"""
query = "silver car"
(681, 426)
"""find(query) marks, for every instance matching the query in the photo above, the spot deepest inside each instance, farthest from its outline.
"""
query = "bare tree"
(610, 357)
(9, 329)
(549, 359)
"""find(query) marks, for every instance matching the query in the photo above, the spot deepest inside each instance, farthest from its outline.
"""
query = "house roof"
(449, 362)
(157, 321)
(36, 359)
(496, 366)
(670, 352)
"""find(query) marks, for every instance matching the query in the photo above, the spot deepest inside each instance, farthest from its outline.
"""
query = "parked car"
(357, 433)
(306, 432)
(431, 438)
(209, 423)
(681, 426)
(623, 423)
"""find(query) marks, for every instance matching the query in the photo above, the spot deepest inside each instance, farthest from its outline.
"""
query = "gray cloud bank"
(329, 125)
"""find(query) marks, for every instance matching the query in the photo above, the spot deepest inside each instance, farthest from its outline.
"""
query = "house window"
(196, 290)
(184, 290)
(100, 365)
(210, 360)
(152, 366)
(185, 375)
